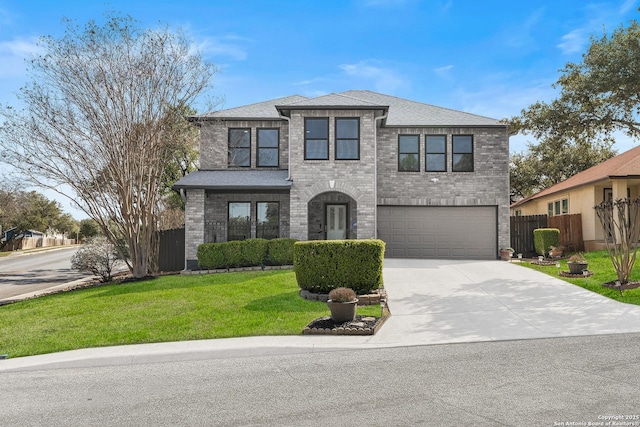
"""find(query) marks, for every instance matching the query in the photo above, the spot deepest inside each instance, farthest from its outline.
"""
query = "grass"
(603, 272)
(168, 308)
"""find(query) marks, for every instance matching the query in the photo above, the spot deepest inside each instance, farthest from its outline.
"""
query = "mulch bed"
(362, 325)
(626, 286)
(576, 275)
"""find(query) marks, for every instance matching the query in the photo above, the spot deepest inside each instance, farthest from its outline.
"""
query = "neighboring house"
(429, 181)
(613, 179)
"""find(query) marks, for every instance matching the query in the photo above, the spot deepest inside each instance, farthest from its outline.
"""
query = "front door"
(336, 222)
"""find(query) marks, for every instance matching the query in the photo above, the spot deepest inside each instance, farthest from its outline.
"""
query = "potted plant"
(577, 263)
(506, 254)
(342, 303)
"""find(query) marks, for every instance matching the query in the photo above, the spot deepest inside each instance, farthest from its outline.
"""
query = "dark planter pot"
(577, 267)
(343, 311)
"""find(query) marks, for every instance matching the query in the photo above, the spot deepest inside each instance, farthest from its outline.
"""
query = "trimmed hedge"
(246, 253)
(544, 238)
(280, 251)
(323, 265)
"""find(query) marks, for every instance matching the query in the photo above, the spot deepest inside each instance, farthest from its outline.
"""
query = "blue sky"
(491, 57)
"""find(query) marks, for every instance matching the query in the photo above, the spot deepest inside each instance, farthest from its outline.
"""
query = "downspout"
(288, 119)
(375, 172)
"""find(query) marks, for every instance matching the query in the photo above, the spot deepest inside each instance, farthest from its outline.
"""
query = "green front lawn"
(600, 265)
(168, 308)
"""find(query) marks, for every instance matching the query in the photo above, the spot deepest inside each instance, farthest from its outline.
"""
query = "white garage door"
(449, 232)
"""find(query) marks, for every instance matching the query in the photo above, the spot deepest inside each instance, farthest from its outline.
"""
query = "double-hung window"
(316, 138)
(436, 149)
(462, 152)
(240, 147)
(409, 153)
(268, 147)
(347, 139)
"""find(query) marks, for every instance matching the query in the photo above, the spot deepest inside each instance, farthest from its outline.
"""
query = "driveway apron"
(444, 301)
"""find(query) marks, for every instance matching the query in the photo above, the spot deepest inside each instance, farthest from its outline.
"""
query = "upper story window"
(436, 157)
(409, 153)
(268, 147)
(462, 151)
(347, 139)
(316, 139)
(240, 147)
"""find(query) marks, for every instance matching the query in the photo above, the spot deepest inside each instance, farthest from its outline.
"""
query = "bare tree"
(99, 102)
(620, 221)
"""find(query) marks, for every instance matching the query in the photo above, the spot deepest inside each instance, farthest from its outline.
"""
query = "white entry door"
(336, 222)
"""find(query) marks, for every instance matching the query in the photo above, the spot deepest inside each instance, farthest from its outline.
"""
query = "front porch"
(332, 215)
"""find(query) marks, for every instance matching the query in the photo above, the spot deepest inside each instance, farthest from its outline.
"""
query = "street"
(35, 271)
(542, 382)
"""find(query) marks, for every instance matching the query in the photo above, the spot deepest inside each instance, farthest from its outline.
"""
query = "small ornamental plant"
(577, 257)
(342, 295)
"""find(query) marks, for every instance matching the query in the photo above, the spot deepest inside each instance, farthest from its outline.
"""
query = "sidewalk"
(431, 302)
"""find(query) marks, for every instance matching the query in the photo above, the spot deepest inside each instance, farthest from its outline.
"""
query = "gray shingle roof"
(235, 180)
(260, 110)
(401, 112)
(404, 112)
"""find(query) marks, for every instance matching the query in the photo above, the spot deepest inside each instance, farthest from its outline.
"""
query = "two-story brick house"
(429, 181)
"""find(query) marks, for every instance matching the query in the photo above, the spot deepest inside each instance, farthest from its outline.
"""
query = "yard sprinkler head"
(558, 267)
(585, 273)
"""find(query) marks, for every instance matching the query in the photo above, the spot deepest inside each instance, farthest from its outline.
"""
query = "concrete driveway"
(443, 301)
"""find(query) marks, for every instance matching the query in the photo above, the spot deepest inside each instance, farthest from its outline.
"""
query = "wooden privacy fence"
(570, 227)
(171, 251)
(522, 233)
(37, 242)
(522, 227)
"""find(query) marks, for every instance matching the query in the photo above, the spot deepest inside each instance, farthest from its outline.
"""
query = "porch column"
(194, 226)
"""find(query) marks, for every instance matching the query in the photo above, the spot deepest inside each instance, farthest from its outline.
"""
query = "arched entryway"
(333, 215)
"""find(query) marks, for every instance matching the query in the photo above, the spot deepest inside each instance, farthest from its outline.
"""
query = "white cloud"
(383, 79)
(627, 6)
(225, 46)
(310, 81)
(598, 17)
(20, 47)
(13, 54)
(573, 41)
(444, 72)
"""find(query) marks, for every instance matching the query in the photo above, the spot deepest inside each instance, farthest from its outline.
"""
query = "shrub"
(254, 251)
(342, 295)
(245, 253)
(577, 257)
(544, 238)
(280, 251)
(97, 256)
(323, 265)
(211, 255)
